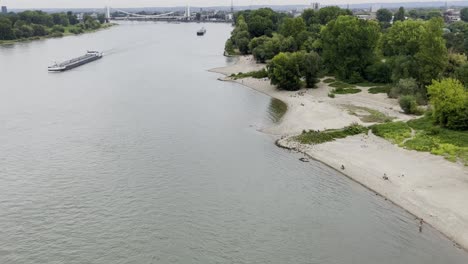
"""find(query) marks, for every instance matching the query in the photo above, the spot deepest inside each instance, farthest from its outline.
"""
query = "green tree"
(413, 14)
(91, 23)
(72, 18)
(379, 72)
(60, 19)
(433, 14)
(455, 61)
(310, 17)
(408, 104)
(403, 38)
(101, 18)
(461, 73)
(287, 44)
(416, 49)
(292, 27)
(349, 46)
(330, 13)
(58, 29)
(400, 14)
(455, 42)
(240, 36)
(36, 17)
(241, 25)
(403, 87)
(309, 66)
(464, 14)
(259, 26)
(242, 44)
(39, 30)
(384, 15)
(449, 101)
(6, 29)
(432, 56)
(265, 48)
(23, 31)
(283, 71)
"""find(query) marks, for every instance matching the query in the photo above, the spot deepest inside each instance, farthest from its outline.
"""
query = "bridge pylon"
(108, 15)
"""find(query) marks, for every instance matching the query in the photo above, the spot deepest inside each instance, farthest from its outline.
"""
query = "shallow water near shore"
(144, 157)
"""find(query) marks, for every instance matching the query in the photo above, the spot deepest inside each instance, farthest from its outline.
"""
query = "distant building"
(374, 8)
(451, 15)
(187, 14)
(316, 6)
(80, 16)
(4, 10)
(364, 16)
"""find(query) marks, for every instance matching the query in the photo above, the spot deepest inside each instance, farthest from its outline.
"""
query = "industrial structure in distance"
(186, 15)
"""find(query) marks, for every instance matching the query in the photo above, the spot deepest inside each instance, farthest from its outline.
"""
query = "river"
(144, 157)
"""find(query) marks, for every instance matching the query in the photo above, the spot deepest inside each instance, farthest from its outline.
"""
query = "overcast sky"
(167, 3)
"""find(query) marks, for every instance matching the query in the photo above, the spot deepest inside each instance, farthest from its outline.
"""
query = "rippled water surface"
(144, 157)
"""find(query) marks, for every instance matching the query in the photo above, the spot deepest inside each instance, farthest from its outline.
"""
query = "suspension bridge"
(134, 16)
(170, 16)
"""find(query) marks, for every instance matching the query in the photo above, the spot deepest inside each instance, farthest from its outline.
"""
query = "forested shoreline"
(422, 61)
(30, 25)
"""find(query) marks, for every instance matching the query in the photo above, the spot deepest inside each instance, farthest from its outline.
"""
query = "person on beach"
(421, 221)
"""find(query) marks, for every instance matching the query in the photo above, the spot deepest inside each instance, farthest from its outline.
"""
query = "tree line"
(395, 48)
(30, 24)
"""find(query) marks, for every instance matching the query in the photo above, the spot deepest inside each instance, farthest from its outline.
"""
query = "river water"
(144, 157)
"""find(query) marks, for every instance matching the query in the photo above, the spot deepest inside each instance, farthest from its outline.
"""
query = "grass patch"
(380, 89)
(395, 132)
(318, 137)
(343, 88)
(346, 91)
(254, 74)
(368, 115)
(370, 84)
(341, 85)
(329, 80)
(453, 145)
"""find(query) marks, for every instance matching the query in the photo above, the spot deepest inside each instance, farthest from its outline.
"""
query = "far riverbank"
(427, 186)
(66, 34)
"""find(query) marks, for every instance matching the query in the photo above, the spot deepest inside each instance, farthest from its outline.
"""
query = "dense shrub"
(379, 72)
(404, 87)
(286, 70)
(318, 137)
(462, 73)
(77, 30)
(58, 28)
(56, 34)
(449, 100)
(39, 30)
(408, 104)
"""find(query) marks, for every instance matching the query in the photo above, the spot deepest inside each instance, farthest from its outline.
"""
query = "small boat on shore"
(201, 32)
(76, 62)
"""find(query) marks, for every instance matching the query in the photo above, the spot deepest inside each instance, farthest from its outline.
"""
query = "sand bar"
(425, 185)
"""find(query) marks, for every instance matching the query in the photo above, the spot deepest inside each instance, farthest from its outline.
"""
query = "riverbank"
(65, 34)
(425, 185)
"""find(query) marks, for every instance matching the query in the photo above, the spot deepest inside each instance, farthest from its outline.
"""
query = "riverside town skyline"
(23, 4)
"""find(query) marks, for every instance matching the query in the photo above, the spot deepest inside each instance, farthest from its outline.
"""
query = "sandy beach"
(425, 185)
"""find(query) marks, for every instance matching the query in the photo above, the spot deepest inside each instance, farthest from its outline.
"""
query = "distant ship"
(73, 63)
(201, 32)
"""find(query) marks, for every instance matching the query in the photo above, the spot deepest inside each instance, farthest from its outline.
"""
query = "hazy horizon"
(21, 4)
